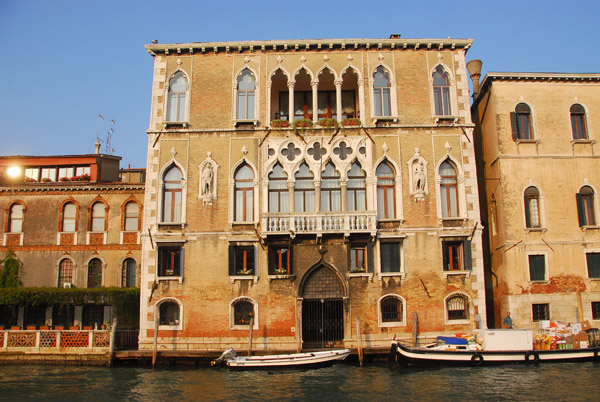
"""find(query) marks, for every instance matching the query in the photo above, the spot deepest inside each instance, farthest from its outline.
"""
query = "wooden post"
(156, 321)
(111, 345)
(415, 329)
(298, 335)
(358, 336)
(250, 336)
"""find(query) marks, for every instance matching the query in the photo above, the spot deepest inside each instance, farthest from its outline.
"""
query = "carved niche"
(417, 176)
(208, 179)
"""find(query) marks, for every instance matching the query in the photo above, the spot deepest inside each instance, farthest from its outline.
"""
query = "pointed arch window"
(578, 124)
(585, 207)
(69, 218)
(441, 92)
(65, 272)
(304, 190)
(381, 92)
(132, 217)
(98, 223)
(244, 194)
(15, 219)
(521, 122)
(278, 191)
(448, 190)
(128, 273)
(176, 98)
(386, 192)
(94, 273)
(532, 207)
(172, 195)
(245, 95)
(356, 189)
(330, 189)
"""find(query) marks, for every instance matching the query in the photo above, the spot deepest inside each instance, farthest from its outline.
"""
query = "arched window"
(381, 92)
(176, 97)
(94, 273)
(128, 273)
(330, 189)
(578, 124)
(386, 192)
(69, 218)
(357, 197)
(244, 194)
(98, 217)
(532, 207)
(278, 190)
(585, 207)
(441, 92)
(243, 312)
(304, 190)
(65, 272)
(15, 218)
(172, 195)
(448, 190)
(457, 308)
(168, 312)
(245, 95)
(132, 217)
(391, 309)
(521, 122)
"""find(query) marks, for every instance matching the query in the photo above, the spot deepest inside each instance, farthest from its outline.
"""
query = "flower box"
(31, 328)
(59, 327)
(329, 123)
(303, 123)
(280, 123)
(74, 328)
(15, 328)
(350, 122)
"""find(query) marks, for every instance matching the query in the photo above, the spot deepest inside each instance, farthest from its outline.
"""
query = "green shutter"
(527, 212)
(581, 210)
(514, 126)
(467, 255)
(593, 265)
(370, 257)
(231, 260)
(537, 267)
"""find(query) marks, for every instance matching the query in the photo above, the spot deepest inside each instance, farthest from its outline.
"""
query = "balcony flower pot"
(31, 328)
(15, 328)
(59, 327)
(280, 123)
(44, 328)
(328, 123)
(74, 328)
(88, 328)
(351, 122)
(303, 123)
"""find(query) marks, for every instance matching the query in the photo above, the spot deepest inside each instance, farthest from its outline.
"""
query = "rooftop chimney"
(474, 67)
(395, 36)
(97, 144)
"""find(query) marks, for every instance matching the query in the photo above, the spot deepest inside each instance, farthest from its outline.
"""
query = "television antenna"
(108, 149)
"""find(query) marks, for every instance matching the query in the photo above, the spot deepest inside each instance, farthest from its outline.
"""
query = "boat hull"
(298, 360)
(428, 357)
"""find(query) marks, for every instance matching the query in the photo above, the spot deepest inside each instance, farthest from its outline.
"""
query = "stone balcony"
(319, 223)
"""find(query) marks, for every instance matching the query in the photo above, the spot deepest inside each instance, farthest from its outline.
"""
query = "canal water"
(546, 382)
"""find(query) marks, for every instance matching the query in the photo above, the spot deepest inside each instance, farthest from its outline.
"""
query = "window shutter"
(181, 252)
(513, 125)
(445, 256)
(231, 260)
(467, 255)
(370, 257)
(527, 212)
(580, 210)
(255, 262)
(291, 259)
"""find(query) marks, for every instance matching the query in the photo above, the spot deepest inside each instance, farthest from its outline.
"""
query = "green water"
(545, 382)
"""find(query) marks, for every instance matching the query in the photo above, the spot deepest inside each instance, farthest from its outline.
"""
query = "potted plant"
(303, 123)
(328, 123)
(351, 121)
(280, 123)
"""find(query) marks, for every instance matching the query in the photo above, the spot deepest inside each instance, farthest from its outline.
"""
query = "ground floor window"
(8, 316)
(35, 316)
(593, 265)
(596, 310)
(63, 316)
(168, 313)
(243, 312)
(280, 260)
(391, 309)
(92, 316)
(537, 267)
(457, 308)
(390, 256)
(242, 260)
(540, 311)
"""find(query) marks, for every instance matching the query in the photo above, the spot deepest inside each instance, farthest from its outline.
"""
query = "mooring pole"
(111, 348)
(250, 335)
(154, 350)
(415, 329)
(358, 336)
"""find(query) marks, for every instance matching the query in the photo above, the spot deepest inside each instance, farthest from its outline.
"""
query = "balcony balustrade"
(319, 222)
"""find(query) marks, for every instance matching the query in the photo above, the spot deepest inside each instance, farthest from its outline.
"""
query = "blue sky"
(63, 62)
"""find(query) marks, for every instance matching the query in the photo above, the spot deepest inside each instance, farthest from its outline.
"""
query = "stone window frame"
(460, 189)
(182, 219)
(232, 325)
(452, 93)
(255, 206)
(546, 255)
(179, 325)
(234, 108)
(103, 266)
(387, 324)
(540, 196)
(468, 302)
(393, 93)
(73, 267)
(395, 239)
(188, 91)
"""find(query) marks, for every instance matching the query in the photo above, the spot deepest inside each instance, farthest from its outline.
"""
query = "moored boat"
(497, 347)
(295, 360)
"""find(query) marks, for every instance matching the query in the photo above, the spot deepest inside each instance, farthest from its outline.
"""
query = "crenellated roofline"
(308, 44)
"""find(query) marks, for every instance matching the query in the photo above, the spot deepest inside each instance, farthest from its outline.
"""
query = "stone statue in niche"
(208, 179)
(417, 170)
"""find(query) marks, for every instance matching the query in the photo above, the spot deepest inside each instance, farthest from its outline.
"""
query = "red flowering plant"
(280, 123)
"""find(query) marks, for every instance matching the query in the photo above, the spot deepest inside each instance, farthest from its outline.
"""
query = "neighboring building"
(302, 230)
(539, 172)
(71, 222)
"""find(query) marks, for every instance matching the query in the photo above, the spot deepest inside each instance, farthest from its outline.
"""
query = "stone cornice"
(490, 77)
(68, 187)
(312, 45)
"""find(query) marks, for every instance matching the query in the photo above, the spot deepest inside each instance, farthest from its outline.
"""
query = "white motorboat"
(296, 360)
